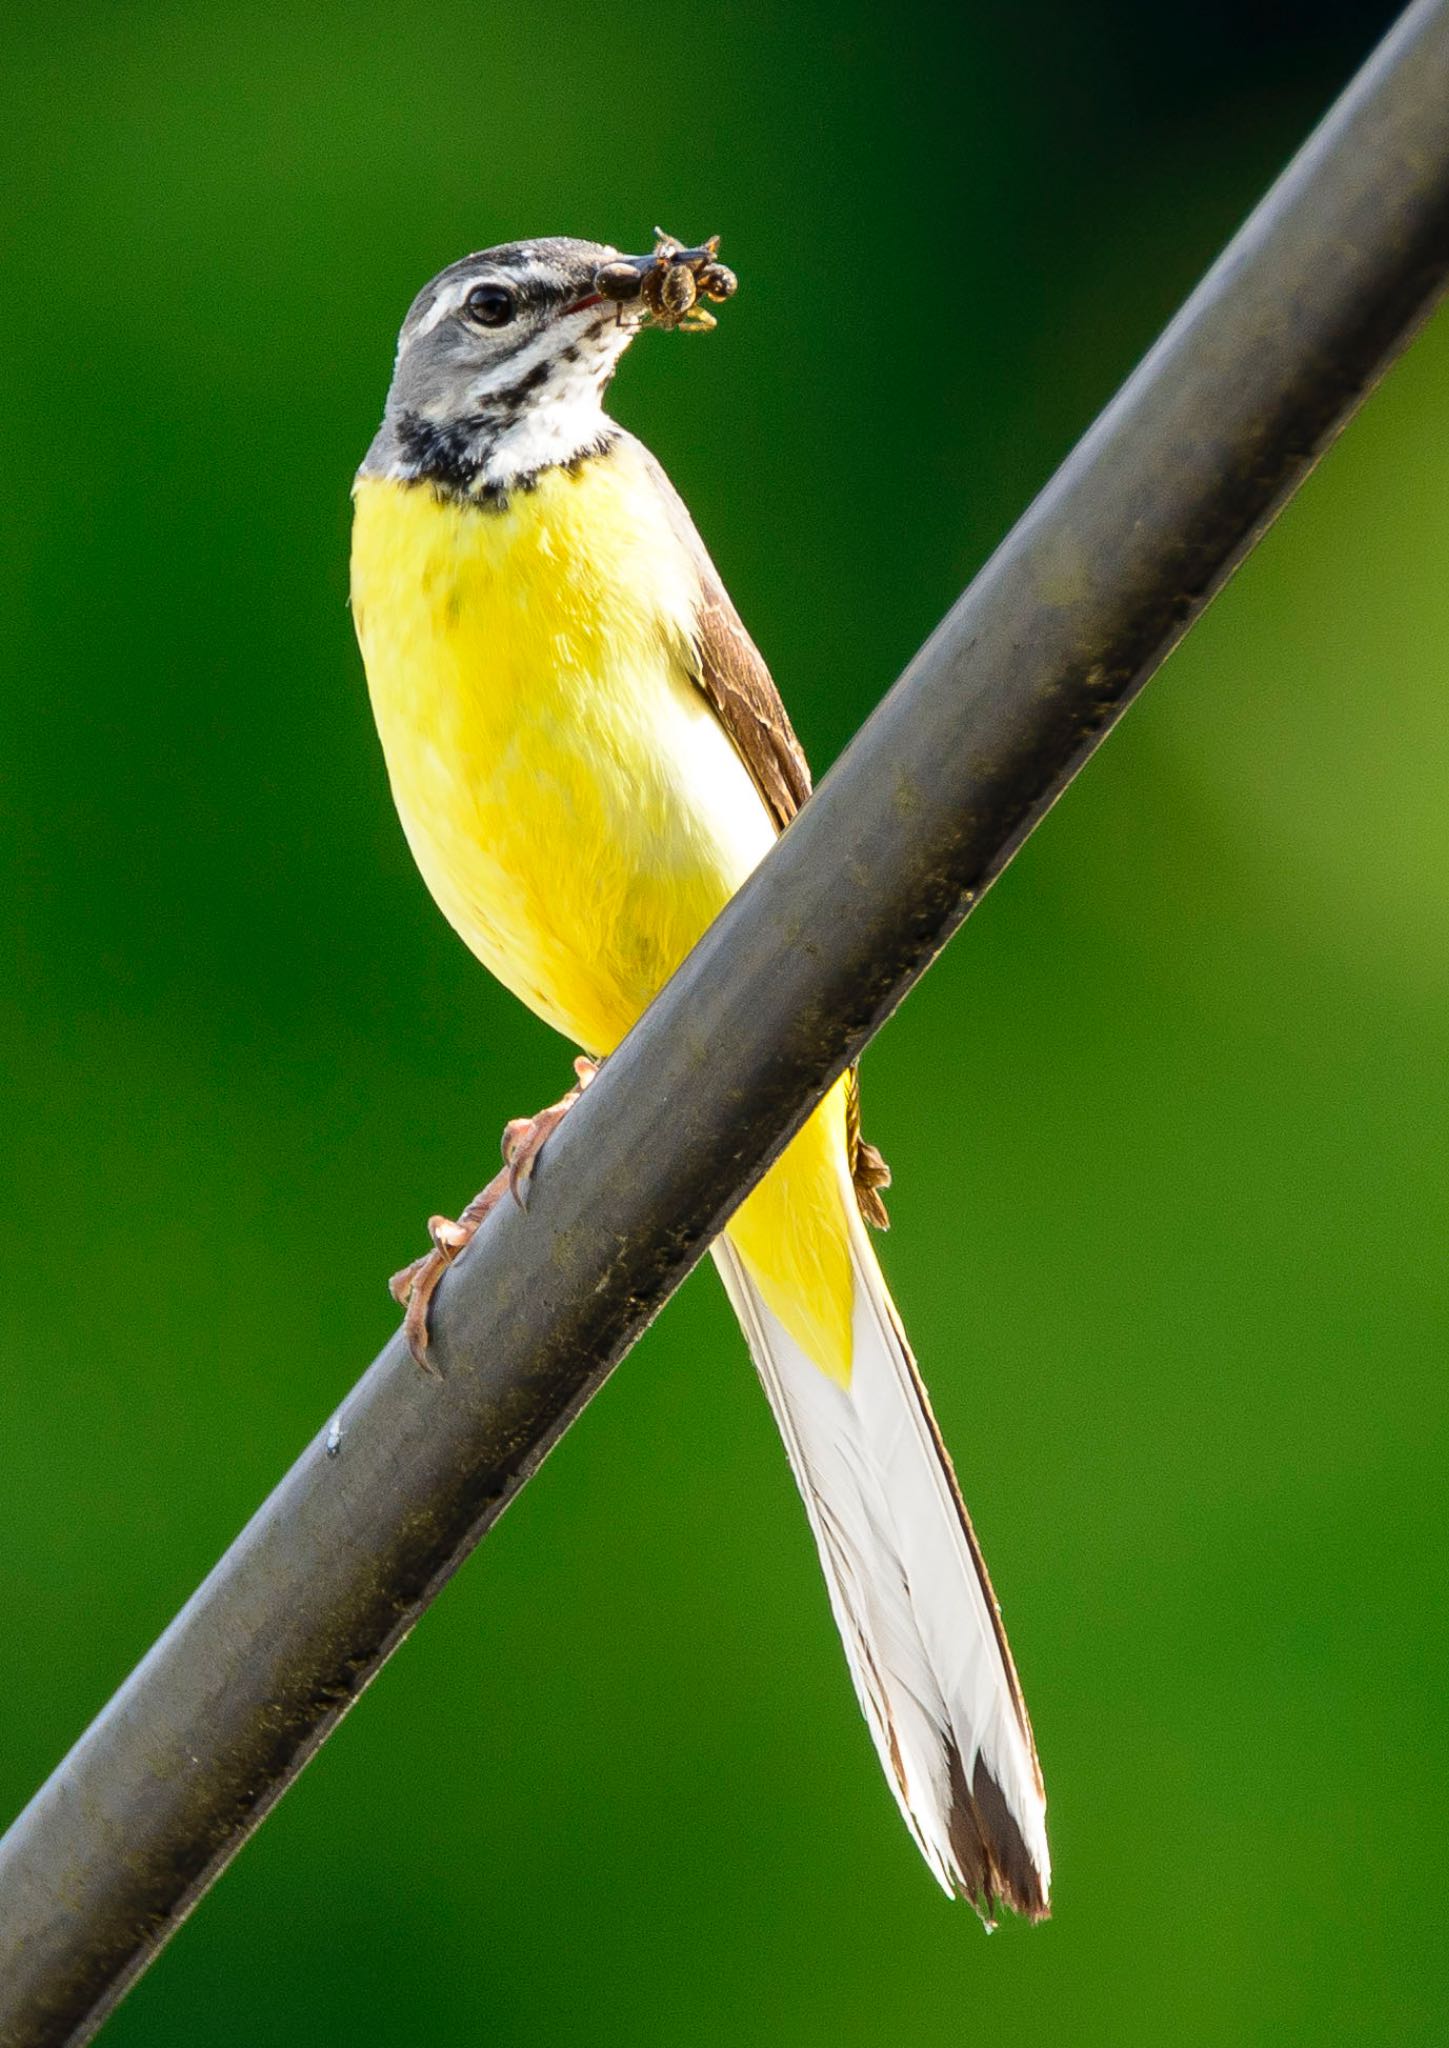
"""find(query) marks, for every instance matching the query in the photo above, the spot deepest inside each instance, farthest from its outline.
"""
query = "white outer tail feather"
(909, 1592)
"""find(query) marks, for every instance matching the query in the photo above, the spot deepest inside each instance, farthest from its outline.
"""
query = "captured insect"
(668, 284)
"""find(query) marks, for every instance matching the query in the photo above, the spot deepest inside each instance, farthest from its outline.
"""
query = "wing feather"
(733, 676)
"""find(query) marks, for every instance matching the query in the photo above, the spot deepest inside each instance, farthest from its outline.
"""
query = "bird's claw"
(523, 1139)
(417, 1283)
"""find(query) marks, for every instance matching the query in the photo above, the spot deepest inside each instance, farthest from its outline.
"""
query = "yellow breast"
(529, 671)
(573, 802)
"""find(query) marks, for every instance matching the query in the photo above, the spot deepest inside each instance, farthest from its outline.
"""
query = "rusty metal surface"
(1009, 697)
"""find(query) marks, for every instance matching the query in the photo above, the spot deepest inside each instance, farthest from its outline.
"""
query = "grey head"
(502, 366)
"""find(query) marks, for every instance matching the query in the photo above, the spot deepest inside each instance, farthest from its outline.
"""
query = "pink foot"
(523, 1139)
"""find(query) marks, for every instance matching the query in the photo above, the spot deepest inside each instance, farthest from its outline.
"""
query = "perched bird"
(589, 756)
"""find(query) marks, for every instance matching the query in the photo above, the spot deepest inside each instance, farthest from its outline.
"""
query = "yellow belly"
(573, 803)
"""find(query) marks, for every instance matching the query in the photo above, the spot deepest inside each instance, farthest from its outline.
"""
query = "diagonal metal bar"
(1021, 682)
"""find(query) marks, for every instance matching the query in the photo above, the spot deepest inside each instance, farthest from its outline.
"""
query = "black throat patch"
(451, 458)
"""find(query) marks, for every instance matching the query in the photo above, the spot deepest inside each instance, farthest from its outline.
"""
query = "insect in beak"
(667, 285)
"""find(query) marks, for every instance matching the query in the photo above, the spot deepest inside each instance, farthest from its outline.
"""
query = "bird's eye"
(490, 305)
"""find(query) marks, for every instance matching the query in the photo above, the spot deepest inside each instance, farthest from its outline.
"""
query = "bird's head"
(502, 366)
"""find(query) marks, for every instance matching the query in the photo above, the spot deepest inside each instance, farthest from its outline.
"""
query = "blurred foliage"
(1169, 1122)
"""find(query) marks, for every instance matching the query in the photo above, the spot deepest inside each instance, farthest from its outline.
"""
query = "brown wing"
(733, 676)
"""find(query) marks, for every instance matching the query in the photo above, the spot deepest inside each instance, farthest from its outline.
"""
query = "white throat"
(545, 406)
(563, 419)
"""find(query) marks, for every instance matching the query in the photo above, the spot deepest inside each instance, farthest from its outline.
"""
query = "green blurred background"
(1169, 1121)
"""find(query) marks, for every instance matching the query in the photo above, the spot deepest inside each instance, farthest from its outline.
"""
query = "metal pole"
(1022, 681)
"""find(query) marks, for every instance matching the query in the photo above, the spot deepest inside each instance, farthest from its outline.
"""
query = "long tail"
(910, 1594)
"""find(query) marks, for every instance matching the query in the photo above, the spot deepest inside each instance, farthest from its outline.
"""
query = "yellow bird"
(588, 757)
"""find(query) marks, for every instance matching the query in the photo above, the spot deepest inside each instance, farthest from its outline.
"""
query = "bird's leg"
(416, 1284)
(523, 1139)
